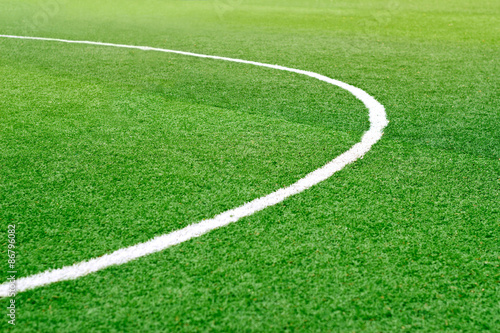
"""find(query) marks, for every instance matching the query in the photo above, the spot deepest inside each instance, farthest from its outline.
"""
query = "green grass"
(103, 148)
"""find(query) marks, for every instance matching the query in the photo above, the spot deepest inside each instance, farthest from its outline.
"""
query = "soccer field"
(104, 148)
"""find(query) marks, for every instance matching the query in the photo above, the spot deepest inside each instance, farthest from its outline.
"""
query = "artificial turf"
(103, 148)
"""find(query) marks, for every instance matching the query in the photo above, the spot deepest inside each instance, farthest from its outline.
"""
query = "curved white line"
(378, 122)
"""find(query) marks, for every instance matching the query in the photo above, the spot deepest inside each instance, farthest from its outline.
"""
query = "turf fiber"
(103, 148)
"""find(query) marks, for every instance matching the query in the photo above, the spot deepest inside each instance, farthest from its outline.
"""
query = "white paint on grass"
(378, 122)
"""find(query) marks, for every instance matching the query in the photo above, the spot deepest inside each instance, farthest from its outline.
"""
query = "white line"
(378, 122)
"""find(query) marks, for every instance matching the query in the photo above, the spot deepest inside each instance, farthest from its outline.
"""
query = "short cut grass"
(103, 148)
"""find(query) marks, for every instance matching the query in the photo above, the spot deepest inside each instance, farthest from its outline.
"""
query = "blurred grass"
(405, 239)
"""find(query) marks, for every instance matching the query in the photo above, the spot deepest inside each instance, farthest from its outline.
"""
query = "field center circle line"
(378, 121)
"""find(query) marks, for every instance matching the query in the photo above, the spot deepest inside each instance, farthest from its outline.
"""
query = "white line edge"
(378, 121)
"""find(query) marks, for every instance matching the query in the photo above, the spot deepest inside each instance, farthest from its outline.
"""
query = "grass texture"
(103, 148)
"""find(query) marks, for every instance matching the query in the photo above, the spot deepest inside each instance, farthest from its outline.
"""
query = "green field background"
(102, 148)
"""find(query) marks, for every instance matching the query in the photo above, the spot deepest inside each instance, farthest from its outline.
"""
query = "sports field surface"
(103, 148)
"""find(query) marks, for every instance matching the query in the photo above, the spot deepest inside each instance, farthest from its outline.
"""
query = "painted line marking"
(378, 121)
